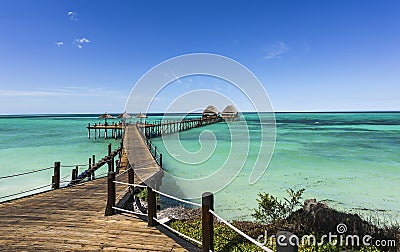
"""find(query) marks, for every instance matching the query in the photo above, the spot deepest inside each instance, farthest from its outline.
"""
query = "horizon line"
(94, 113)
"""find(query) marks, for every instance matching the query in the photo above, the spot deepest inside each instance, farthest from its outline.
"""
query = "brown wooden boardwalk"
(139, 157)
(72, 219)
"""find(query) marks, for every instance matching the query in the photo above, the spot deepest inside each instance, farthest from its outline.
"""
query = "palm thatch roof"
(211, 110)
(106, 116)
(125, 116)
(230, 109)
(141, 115)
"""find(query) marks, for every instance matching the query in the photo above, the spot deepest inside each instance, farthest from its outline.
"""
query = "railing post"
(151, 207)
(89, 174)
(93, 166)
(56, 176)
(110, 194)
(76, 172)
(73, 176)
(285, 243)
(110, 166)
(89, 170)
(109, 150)
(155, 152)
(131, 177)
(161, 160)
(207, 222)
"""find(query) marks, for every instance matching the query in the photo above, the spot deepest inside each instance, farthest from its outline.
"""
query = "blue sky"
(78, 56)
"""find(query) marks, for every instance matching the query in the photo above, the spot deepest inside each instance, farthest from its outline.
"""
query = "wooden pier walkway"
(72, 219)
(144, 165)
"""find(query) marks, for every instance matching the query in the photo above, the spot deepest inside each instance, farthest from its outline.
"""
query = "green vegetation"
(225, 239)
(271, 209)
(274, 215)
(142, 195)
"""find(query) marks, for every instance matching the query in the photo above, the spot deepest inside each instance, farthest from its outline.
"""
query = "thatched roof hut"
(230, 109)
(229, 112)
(210, 111)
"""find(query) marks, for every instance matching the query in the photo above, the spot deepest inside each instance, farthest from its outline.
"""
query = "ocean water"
(35, 142)
(351, 161)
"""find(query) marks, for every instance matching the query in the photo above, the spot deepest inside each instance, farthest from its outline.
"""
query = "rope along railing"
(207, 206)
(26, 191)
(151, 209)
(122, 173)
(58, 182)
(178, 233)
(39, 170)
(26, 173)
(153, 151)
(177, 199)
(207, 219)
(240, 232)
(162, 223)
(79, 165)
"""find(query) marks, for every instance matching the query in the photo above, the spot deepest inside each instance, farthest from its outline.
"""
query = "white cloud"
(59, 43)
(72, 15)
(84, 40)
(80, 42)
(276, 51)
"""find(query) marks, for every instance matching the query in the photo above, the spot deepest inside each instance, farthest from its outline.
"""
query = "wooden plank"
(145, 166)
(72, 219)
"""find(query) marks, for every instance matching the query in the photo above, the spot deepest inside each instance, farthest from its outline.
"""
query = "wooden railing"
(207, 220)
(158, 128)
(207, 216)
(57, 181)
(89, 173)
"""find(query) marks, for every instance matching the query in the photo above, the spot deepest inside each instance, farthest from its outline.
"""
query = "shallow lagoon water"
(349, 160)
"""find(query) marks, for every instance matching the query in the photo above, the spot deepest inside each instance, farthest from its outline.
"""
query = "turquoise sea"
(349, 160)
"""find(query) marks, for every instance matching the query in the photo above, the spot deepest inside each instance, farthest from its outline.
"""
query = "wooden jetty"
(143, 156)
(144, 164)
(170, 127)
(72, 219)
(77, 217)
(116, 130)
(150, 130)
